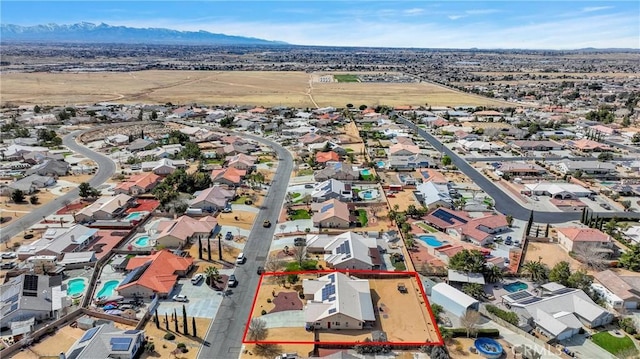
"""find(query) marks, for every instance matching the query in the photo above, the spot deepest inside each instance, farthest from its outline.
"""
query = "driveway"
(203, 301)
(244, 208)
(585, 348)
(286, 319)
(294, 226)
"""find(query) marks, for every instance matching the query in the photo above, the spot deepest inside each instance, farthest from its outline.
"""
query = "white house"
(453, 300)
(615, 291)
(348, 250)
(434, 195)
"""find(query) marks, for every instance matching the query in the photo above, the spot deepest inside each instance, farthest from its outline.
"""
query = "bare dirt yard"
(265, 88)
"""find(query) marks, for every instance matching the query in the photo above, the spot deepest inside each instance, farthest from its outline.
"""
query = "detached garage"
(453, 300)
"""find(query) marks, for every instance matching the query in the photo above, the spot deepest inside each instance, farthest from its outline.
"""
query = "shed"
(85, 323)
(453, 300)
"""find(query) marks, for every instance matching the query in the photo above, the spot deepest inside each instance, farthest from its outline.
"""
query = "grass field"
(263, 88)
(346, 78)
(613, 344)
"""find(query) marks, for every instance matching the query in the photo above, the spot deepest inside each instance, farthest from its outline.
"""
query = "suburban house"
(348, 250)
(238, 147)
(559, 190)
(585, 145)
(28, 184)
(331, 213)
(28, 298)
(337, 301)
(139, 145)
(176, 233)
(559, 313)
(586, 167)
(324, 157)
(117, 139)
(154, 274)
(633, 234)
(537, 145)
(241, 162)
(58, 241)
(164, 166)
(107, 341)
(310, 138)
(332, 189)
(212, 199)
(433, 195)
(453, 300)
(480, 146)
(105, 208)
(337, 170)
(578, 239)
(228, 176)
(50, 167)
(608, 131)
(616, 291)
(138, 184)
(480, 231)
(516, 169)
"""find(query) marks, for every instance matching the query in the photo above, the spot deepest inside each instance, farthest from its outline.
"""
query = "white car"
(9, 255)
(180, 298)
(197, 278)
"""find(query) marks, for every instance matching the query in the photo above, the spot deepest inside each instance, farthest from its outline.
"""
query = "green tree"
(293, 279)
(212, 275)
(362, 107)
(537, 270)
(560, 273)
(193, 325)
(446, 160)
(580, 280)
(636, 138)
(493, 274)
(605, 156)
(509, 220)
(468, 261)
(154, 115)
(185, 327)
(36, 109)
(33, 199)
(17, 196)
(474, 290)
(630, 259)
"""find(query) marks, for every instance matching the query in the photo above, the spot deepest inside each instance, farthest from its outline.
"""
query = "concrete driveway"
(585, 348)
(285, 319)
(203, 301)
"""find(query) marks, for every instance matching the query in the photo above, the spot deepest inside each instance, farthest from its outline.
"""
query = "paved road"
(227, 329)
(539, 158)
(505, 203)
(630, 148)
(106, 169)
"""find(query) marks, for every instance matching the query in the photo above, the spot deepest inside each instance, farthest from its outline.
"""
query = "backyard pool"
(488, 347)
(365, 172)
(431, 241)
(515, 287)
(134, 216)
(380, 164)
(369, 194)
(141, 241)
(108, 288)
(76, 286)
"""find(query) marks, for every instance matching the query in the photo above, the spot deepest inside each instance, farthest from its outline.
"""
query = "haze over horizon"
(414, 24)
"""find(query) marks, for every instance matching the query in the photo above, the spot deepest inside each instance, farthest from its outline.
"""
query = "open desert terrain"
(264, 88)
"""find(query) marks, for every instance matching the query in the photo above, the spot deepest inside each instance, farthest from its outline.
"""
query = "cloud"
(456, 17)
(414, 11)
(482, 11)
(596, 8)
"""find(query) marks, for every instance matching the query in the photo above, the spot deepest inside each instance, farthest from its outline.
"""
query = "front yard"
(299, 214)
(613, 344)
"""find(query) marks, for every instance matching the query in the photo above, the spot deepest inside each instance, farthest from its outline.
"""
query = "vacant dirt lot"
(218, 87)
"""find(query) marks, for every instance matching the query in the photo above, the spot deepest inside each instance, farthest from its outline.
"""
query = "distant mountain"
(86, 32)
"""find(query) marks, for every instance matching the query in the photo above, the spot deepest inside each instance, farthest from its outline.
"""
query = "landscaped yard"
(240, 200)
(300, 214)
(362, 217)
(346, 78)
(295, 195)
(214, 161)
(613, 344)
(426, 227)
(305, 172)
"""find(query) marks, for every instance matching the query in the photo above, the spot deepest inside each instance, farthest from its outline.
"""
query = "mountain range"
(86, 32)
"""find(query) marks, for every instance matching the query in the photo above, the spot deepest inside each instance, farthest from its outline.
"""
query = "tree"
(154, 115)
(362, 107)
(591, 256)
(166, 321)
(537, 270)
(439, 352)
(150, 347)
(635, 138)
(175, 320)
(185, 327)
(611, 226)
(211, 275)
(626, 204)
(200, 248)
(493, 274)
(509, 219)
(87, 191)
(257, 330)
(293, 279)
(469, 321)
(219, 247)
(446, 160)
(209, 248)
(580, 280)
(17, 196)
(300, 253)
(193, 325)
(605, 156)
(155, 319)
(33, 199)
(560, 273)
(630, 259)
(473, 290)
(36, 109)
(468, 261)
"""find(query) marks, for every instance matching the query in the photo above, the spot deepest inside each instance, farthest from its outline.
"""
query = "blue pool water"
(142, 241)
(76, 286)
(515, 287)
(380, 164)
(134, 216)
(108, 288)
(488, 347)
(430, 241)
(367, 195)
(365, 172)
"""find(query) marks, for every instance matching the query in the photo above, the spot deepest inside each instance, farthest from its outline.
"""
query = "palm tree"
(536, 269)
(494, 274)
(212, 275)
(474, 290)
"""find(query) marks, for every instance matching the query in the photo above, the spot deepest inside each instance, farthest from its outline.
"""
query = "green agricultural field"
(346, 78)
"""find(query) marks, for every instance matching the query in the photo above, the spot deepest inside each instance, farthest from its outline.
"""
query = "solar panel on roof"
(131, 332)
(332, 278)
(563, 290)
(326, 207)
(530, 300)
(519, 295)
(75, 353)
(447, 216)
(332, 310)
(89, 334)
(120, 344)
(30, 282)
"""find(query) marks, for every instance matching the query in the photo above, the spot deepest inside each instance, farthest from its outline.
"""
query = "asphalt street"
(106, 169)
(505, 203)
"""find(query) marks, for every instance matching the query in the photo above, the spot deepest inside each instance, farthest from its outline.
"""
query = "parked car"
(299, 241)
(197, 278)
(508, 241)
(180, 298)
(266, 223)
(232, 281)
(8, 265)
(308, 186)
(241, 258)
(260, 270)
(9, 255)
(605, 206)
(228, 236)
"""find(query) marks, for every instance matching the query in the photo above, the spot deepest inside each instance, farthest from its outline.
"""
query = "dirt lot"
(218, 87)
(165, 347)
(229, 254)
(77, 178)
(15, 211)
(245, 219)
(550, 254)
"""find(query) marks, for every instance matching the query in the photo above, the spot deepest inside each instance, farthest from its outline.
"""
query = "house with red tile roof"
(445, 252)
(176, 233)
(241, 161)
(605, 130)
(157, 273)
(331, 214)
(324, 157)
(574, 239)
(311, 138)
(586, 145)
(138, 184)
(229, 176)
(459, 224)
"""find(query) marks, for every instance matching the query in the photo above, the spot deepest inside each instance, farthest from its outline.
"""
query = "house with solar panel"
(348, 250)
(332, 189)
(28, 298)
(107, 341)
(337, 170)
(337, 301)
(331, 214)
(479, 231)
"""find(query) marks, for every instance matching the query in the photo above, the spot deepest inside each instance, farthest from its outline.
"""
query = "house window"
(337, 324)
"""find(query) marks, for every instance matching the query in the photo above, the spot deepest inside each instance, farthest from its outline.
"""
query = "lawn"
(362, 217)
(240, 200)
(300, 214)
(612, 344)
(346, 78)
(426, 228)
(305, 172)
(214, 161)
(295, 195)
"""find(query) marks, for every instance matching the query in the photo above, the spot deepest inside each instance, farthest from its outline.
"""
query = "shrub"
(480, 333)
(268, 300)
(509, 317)
(182, 345)
(263, 312)
(169, 336)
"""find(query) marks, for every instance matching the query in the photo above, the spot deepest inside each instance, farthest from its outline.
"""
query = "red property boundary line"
(354, 272)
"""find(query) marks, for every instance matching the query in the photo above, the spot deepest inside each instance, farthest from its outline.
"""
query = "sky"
(558, 24)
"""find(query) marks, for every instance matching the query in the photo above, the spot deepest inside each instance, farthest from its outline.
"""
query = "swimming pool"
(108, 288)
(431, 241)
(380, 164)
(365, 172)
(134, 216)
(141, 241)
(515, 287)
(488, 347)
(368, 194)
(76, 286)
